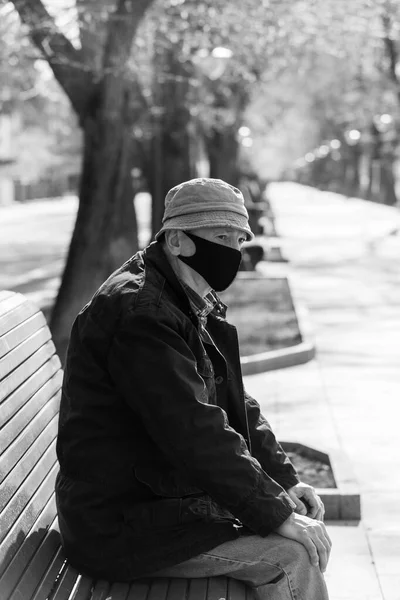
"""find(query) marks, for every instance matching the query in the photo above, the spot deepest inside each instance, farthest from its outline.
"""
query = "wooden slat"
(82, 589)
(159, 589)
(15, 311)
(21, 545)
(101, 590)
(65, 585)
(119, 591)
(13, 338)
(25, 491)
(22, 393)
(29, 460)
(23, 420)
(139, 590)
(25, 520)
(4, 294)
(178, 589)
(45, 558)
(12, 429)
(46, 422)
(250, 595)
(236, 590)
(198, 589)
(46, 585)
(16, 357)
(217, 588)
(10, 300)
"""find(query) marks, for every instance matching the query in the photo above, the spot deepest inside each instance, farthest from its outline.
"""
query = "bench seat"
(32, 562)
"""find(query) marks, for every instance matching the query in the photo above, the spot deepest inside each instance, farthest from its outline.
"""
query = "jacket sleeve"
(155, 372)
(266, 448)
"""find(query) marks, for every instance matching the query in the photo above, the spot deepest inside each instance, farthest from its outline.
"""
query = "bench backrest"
(30, 381)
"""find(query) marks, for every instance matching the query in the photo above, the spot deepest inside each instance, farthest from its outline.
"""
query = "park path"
(344, 267)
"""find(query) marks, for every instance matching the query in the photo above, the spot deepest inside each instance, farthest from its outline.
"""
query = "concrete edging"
(284, 357)
(342, 503)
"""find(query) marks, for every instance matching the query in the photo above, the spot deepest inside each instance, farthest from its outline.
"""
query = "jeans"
(275, 567)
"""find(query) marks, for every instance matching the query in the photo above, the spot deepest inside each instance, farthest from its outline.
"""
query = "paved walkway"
(344, 266)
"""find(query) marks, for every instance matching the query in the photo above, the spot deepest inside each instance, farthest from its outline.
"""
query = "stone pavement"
(344, 266)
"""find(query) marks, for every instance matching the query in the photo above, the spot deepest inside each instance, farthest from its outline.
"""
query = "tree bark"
(170, 161)
(223, 154)
(105, 230)
(108, 104)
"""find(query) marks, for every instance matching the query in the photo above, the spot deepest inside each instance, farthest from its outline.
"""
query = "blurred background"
(114, 102)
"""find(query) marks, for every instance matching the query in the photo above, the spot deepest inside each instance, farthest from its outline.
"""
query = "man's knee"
(293, 553)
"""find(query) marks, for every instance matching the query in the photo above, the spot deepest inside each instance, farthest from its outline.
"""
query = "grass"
(262, 311)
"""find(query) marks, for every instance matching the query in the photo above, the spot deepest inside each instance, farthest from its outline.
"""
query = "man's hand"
(312, 506)
(312, 534)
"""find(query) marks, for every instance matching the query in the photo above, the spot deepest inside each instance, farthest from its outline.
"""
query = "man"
(167, 467)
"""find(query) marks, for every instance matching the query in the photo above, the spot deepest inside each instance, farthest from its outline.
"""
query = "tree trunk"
(388, 190)
(223, 153)
(105, 233)
(171, 154)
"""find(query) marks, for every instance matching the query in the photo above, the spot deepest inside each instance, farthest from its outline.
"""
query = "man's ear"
(179, 243)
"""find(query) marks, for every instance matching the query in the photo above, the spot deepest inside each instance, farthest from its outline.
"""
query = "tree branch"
(391, 49)
(122, 27)
(65, 61)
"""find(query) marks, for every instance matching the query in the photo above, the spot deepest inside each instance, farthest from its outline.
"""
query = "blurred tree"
(107, 101)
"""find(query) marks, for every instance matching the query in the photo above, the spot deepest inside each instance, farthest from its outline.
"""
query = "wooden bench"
(32, 563)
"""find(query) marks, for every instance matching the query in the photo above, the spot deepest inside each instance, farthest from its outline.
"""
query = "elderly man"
(167, 467)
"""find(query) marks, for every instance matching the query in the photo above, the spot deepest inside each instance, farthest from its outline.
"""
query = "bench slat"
(19, 393)
(38, 427)
(27, 540)
(138, 590)
(177, 589)
(68, 580)
(159, 589)
(198, 589)
(10, 301)
(15, 312)
(40, 501)
(19, 433)
(249, 594)
(217, 588)
(25, 491)
(6, 294)
(101, 590)
(46, 585)
(16, 357)
(46, 557)
(30, 459)
(13, 338)
(236, 590)
(118, 591)
(83, 589)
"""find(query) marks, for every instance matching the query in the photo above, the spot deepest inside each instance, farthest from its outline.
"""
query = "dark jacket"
(162, 454)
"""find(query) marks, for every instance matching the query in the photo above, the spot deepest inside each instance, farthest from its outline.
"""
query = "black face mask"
(218, 264)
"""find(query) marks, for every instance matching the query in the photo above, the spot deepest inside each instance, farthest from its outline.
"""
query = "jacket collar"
(155, 256)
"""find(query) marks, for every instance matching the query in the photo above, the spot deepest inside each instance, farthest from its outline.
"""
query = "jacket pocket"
(167, 484)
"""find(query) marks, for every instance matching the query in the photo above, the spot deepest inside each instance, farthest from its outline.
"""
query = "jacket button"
(219, 379)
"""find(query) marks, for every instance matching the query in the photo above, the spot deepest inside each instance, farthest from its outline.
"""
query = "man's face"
(225, 236)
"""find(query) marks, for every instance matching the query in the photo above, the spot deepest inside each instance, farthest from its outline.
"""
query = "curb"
(343, 502)
(284, 357)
